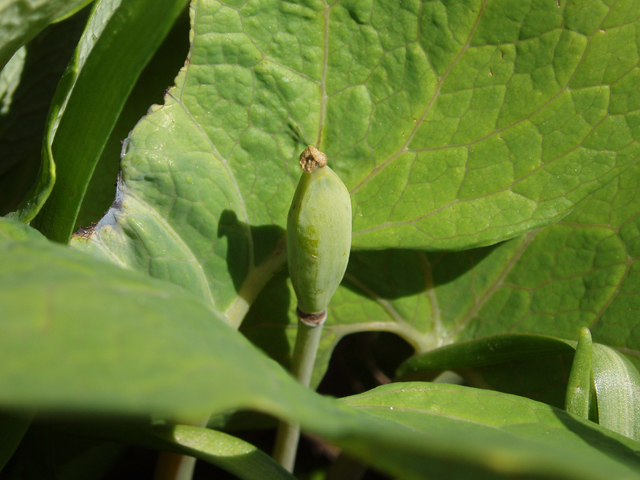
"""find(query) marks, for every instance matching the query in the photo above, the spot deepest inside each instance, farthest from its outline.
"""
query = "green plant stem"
(174, 466)
(304, 357)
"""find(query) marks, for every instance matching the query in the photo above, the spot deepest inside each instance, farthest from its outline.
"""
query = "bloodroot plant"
(468, 204)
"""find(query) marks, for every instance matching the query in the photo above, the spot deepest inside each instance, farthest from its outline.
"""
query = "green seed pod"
(318, 235)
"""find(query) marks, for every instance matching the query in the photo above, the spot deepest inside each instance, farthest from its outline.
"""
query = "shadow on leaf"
(619, 451)
(264, 238)
(397, 273)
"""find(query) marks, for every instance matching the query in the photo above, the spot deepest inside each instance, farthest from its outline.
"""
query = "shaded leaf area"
(13, 428)
(61, 454)
(120, 343)
(532, 366)
(118, 41)
(424, 297)
(22, 20)
(31, 78)
(543, 378)
(485, 352)
(453, 126)
(242, 459)
(537, 367)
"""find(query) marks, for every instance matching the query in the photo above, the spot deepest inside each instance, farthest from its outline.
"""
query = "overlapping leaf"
(536, 366)
(533, 366)
(120, 343)
(453, 126)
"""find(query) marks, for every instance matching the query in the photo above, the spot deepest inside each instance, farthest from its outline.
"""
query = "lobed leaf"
(453, 126)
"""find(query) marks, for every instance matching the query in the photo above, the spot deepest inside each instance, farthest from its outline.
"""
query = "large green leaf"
(553, 281)
(121, 343)
(117, 43)
(21, 20)
(63, 312)
(453, 125)
(580, 272)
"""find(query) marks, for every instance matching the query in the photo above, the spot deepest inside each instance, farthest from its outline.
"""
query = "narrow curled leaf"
(579, 384)
(118, 41)
(232, 454)
(27, 86)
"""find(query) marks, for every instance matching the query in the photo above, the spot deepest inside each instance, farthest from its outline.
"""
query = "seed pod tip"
(312, 158)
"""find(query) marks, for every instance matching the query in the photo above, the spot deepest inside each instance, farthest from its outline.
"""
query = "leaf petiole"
(304, 357)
